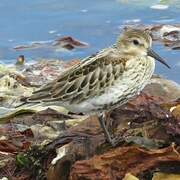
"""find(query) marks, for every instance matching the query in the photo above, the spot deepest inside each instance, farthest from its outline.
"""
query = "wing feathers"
(88, 79)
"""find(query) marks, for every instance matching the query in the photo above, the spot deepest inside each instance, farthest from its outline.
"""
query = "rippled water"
(97, 22)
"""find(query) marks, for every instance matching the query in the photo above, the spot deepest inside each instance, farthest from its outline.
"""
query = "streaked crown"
(134, 42)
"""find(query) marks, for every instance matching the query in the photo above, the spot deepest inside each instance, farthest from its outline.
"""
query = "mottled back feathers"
(88, 79)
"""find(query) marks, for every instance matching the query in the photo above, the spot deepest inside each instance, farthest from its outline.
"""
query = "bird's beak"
(157, 57)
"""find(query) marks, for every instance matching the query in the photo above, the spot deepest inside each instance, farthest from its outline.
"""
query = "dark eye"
(135, 42)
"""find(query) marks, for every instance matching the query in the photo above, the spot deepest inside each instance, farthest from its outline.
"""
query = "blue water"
(97, 22)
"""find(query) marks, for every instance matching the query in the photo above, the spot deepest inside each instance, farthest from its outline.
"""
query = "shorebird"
(104, 81)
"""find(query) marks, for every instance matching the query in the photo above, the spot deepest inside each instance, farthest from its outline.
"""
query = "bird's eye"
(135, 42)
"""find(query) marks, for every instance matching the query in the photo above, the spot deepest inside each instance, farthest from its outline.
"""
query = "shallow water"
(97, 22)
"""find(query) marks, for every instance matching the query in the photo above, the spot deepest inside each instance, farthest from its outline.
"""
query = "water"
(97, 22)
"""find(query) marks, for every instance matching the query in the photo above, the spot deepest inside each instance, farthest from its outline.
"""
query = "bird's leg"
(107, 118)
(111, 140)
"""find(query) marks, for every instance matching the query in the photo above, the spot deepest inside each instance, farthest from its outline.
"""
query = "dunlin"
(105, 80)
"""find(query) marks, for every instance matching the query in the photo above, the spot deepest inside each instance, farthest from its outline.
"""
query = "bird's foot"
(114, 141)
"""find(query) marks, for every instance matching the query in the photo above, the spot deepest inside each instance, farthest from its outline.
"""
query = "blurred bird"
(20, 60)
(105, 80)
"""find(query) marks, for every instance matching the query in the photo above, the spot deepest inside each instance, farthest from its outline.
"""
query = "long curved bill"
(157, 57)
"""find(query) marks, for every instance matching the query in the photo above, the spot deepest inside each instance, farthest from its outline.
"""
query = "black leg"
(106, 133)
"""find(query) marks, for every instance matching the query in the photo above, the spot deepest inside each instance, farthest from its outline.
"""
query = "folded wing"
(88, 79)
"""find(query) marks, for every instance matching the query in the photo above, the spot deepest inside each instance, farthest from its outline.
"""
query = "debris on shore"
(54, 144)
(66, 42)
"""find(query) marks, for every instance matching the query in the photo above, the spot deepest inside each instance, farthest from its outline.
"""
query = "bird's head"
(137, 42)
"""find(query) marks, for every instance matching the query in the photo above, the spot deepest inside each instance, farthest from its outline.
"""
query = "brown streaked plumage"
(105, 80)
(83, 81)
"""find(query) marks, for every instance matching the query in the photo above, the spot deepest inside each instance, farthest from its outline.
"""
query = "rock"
(11, 90)
(117, 162)
(165, 176)
(61, 43)
(148, 121)
(161, 87)
(44, 132)
(68, 43)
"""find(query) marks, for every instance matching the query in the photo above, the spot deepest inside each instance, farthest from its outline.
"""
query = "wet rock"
(164, 32)
(46, 70)
(117, 162)
(161, 87)
(27, 129)
(74, 142)
(11, 90)
(169, 35)
(62, 43)
(43, 71)
(68, 43)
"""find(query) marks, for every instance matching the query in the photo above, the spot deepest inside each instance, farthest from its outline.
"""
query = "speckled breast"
(132, 81)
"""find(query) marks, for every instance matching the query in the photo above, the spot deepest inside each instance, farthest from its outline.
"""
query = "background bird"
(105, 80)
